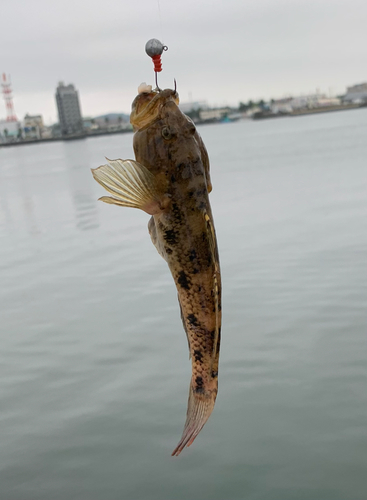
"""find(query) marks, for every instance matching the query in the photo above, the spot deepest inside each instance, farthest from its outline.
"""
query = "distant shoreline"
(263, 115)
(66, 138)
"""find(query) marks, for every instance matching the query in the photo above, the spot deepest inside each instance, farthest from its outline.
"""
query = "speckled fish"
(170, 181)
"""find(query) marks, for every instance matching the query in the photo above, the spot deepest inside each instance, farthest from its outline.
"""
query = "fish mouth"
(147, 106)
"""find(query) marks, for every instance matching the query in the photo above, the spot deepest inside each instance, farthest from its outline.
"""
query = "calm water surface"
(94, 368)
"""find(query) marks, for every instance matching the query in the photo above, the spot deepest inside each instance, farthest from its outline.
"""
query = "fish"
(170, 180)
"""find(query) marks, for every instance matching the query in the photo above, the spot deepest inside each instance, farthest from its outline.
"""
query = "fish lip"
(150, 112)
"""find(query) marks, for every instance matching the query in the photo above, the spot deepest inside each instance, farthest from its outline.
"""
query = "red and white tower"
(6, 85)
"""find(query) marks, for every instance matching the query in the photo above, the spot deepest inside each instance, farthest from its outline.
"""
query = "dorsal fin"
(216, 275)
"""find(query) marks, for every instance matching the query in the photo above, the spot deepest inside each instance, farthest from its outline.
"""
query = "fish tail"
(199, 408)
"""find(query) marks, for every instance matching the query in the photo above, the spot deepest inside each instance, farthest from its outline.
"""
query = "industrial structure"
(6, 86)
(70, 118)
(10, 128)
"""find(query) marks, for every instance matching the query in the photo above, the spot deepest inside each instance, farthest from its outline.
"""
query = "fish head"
(166, 139)
(160, 125)
(148, 107)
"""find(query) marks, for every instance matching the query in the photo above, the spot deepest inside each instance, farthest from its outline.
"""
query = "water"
(94, 366)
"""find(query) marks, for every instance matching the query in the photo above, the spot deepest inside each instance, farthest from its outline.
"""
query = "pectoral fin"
(131, 184)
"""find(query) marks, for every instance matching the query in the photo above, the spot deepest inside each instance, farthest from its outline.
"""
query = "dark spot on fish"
(201, 191)
(195, 270)
(210, 259)
(198, 355)
(192, 319)
(212, 334)
(176, 212)
(192, 255)
(199, 390)
(191, 129)
(214, 374)
(183, 280)
(190, 194)
(168, 250)
(199, 385)
(170, 236)
(202, 205)
(173, 178)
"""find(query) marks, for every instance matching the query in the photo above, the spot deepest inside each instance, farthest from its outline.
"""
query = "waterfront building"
(307, 101)
(216, 114)
(33, 121)
(283, 105)
(186, 107)
(70, 118)
(33, 126)
(10, 130)
(356, 93)
(112, 121)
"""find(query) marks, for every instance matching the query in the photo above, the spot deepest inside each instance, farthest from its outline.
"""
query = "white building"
(186, 107)
(283, 105)
(9, 130)
(33, 126)
(307, 101)
(214, 114)
(356, 93)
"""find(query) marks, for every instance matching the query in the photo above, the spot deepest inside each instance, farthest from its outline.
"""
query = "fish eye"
(166, 134)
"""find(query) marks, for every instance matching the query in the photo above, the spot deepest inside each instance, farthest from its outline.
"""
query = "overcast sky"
(220, 51)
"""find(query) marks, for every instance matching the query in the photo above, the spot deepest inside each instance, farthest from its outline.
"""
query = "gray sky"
(221, 51)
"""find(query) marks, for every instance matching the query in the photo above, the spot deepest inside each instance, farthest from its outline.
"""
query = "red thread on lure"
(157, 63)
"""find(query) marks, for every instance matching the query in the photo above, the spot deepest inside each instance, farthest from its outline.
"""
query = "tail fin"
(199, 408)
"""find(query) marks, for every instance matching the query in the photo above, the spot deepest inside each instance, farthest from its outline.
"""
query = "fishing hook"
(154, 48)
(156, 82)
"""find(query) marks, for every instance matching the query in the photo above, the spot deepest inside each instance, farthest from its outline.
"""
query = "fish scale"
(170, 180)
